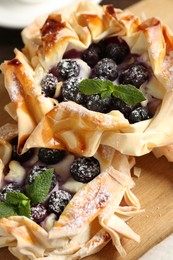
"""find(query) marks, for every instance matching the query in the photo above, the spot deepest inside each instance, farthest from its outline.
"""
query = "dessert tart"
(92, 75)
(87, 84)
(58, 205)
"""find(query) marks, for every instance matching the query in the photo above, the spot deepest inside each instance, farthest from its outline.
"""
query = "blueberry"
(37, 170)
(58, 201)
(118, 104)
(84, 169)
(96, 103)
(135, 74)
(23, 157)
(68, 68)
(92, 55)
(139, 114)
(72, 54)
(106, 68)
(117, 52)
(50, 156)
(48, 85)
(11, 187)
(38, 212)
(71, 92)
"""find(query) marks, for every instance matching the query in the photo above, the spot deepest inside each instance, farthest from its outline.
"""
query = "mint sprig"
(16, 204)
(19, 204)
(128, 93)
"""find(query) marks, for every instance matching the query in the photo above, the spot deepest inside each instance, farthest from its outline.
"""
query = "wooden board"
(160, 8)
(155, 186)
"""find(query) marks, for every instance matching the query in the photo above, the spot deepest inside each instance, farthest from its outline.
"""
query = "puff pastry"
(51, 37)
(96, 214)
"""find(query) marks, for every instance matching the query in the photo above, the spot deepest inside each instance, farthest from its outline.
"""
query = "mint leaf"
(14, 198)
(21, 201)
(94, 86)
(7, 210)
(128, 93)
(39, 189)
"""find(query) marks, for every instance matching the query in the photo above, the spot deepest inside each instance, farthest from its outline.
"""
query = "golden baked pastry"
(95, 213)
(39, 86)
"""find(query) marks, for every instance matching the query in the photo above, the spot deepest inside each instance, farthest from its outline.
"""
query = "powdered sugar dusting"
(99, 238)
(90, 209)
(98, 119)
(14, 90)
(85, 209)
(107, 152)
(167, 68)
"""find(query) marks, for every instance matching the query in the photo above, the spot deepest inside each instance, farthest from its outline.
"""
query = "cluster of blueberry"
(82, 169)
(110, 59)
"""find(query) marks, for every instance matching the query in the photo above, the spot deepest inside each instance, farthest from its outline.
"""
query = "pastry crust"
(94, 216)
(49, 37)
(77, 129)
